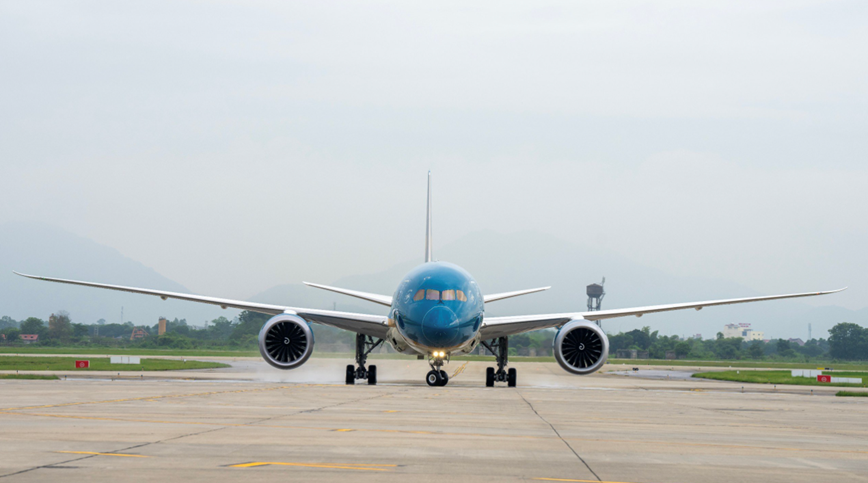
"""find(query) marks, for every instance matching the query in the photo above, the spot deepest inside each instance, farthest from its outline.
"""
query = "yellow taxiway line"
(580, 481)
(104, 454)
(336, 466)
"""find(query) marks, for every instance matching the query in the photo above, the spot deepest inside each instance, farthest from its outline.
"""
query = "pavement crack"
(196, 433)
(339, 404)
(558, 435)
(48, 465)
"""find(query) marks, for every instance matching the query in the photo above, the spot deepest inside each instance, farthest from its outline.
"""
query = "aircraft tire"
(372, 375)
(351, 375)
(433, 378)
(489, 377)
(444, 378)
(511, 377)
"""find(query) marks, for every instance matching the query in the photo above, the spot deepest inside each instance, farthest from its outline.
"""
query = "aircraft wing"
(373, 325)
(505, 295)
(502, 326)
(370, 297)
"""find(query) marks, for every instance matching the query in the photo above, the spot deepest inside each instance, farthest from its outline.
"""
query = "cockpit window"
(450, 295)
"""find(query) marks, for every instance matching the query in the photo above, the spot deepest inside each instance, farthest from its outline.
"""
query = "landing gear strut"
(436, 376)
(499, 348)
(365, 344)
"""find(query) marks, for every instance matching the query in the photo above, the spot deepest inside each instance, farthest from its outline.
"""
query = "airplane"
(437, 311)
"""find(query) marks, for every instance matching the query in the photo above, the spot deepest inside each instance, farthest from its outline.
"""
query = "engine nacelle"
(286, 341)
(581, 347)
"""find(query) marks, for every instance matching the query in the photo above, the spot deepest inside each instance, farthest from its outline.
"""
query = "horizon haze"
(232, 148)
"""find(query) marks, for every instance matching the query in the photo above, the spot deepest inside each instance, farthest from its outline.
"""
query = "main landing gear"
(365, 344)
(499, 348)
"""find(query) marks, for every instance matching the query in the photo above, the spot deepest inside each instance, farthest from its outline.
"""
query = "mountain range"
(500, 262)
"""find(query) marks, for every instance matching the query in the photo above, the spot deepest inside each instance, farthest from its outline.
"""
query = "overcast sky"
(233, 146)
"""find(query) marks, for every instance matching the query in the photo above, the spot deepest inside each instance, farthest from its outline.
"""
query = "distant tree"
(782, 345)
(33, 326)
(62, 328)
(249, 323)
(179, 326)
(641, 338)
(620, 341)
(220, 328)
(11, 334)
(812, 348)
(7, 322)
(755, 350)
(79, 330)
(848, 341)
(719, 336)
(727, 351)
(682, 349)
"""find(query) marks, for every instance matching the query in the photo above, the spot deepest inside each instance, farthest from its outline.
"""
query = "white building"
(741, 331)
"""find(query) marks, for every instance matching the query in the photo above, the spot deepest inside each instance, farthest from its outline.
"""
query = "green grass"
(128, 352)
(759, 364)
(28, 376)
(851, 394)
(25, 363)
(230, 353)
(780, 377)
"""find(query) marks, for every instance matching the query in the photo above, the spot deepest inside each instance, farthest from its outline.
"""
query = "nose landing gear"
(499, 348)
(436, 376)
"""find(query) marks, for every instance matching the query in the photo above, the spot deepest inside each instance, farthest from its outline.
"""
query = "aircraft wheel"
(444, 378)
(372, 375)
(351, 375)
(489, 377)
(433, 378)
(511, 377)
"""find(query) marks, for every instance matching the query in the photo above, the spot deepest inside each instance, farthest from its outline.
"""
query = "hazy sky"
(233, 146)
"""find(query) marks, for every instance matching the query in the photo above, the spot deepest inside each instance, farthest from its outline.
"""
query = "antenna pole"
(428, 255)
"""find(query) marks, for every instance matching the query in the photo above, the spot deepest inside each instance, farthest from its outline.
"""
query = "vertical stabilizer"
(428, 255)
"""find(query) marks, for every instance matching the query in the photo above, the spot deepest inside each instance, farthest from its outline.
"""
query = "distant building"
(29, 338)
(800, 342)
(161, 327)
(741, 331)
(138, 333)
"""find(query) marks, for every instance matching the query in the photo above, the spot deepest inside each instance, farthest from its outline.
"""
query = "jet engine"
(286, 341)
(581, 347)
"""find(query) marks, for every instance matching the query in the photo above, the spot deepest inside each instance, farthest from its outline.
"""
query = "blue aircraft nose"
(440, 327)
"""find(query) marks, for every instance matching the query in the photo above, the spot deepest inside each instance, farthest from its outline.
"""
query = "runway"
(253, 423)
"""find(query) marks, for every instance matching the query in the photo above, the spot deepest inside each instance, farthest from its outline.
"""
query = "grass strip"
(30, 363)
(29, 376)
(780, 377)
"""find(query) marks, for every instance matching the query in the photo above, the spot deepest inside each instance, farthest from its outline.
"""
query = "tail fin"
(428, 255)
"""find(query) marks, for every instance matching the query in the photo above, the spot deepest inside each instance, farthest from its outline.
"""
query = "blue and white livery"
(438, 310)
